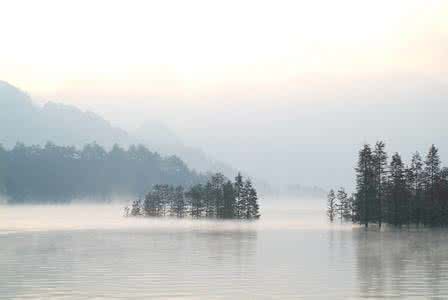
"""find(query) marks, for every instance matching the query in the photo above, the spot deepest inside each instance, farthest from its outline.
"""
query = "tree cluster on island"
(60, 173)
(218, 198)
(392, 192)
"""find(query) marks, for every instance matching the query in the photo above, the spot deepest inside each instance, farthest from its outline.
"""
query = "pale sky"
(216, 66)
(179, 48)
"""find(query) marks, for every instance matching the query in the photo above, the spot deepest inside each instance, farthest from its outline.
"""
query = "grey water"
(92, 252)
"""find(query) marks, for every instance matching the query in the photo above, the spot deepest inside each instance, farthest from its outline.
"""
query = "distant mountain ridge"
(23, 121)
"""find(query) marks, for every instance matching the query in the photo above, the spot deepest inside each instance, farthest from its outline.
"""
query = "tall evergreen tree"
(331, 205)
(209, 200)
(431, 179)
(229, 200)
(379, 158)
(239, 203)
(414, 179)
(217, 182)
(398, 196)
(246, 195)
(343, 206)
(365, 187)
(196, 200)
(178, 204)
(253, 204)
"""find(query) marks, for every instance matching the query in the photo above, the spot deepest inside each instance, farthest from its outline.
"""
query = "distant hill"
(23, 121)
(163, 140)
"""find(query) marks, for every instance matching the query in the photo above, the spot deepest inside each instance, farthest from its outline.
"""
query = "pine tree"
(196, 200)
(331, 205)
(253, 204)
(365, 187)
(343, 206)
(217, 183)
(229, 201)
(398, 196)
(238, 188)
(209, 200)
(431, 178)
(178, 204)
(443, 195)
(247, 195)
(414, 179)
(150, 204)
(379, 158)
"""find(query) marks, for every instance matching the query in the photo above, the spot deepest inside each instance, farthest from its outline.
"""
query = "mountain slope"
(23, 121)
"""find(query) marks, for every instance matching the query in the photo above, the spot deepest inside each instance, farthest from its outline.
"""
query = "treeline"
(217, 198)
(393, 192)
(58, 174)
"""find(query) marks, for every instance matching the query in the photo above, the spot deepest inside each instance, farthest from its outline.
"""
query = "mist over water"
(82, 251)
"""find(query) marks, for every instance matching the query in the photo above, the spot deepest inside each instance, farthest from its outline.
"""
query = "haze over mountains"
(24, 121)
(309, 137)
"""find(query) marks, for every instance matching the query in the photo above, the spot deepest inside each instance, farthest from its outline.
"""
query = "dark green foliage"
(209, 201)
(54, 173)
(432, 181)
(415, 185)
(365, 187)
(395, 193)
(250, 201)
(216, 199)
(178, 204)
(229, 201)
(195, 200)
(379, 158)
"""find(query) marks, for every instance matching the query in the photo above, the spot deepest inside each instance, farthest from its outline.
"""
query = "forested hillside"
(23, 121)
(59, 174)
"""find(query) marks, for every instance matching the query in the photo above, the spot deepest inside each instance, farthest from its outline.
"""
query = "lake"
(85, 251)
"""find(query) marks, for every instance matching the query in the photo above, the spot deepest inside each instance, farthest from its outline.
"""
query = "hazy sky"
(207, 68)
(188, 50)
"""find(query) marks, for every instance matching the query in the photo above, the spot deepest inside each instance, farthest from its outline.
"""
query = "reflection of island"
(402, 263)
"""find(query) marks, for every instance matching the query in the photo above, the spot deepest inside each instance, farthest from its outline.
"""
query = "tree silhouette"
(396, 194)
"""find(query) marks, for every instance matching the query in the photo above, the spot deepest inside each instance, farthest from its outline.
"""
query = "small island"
(218, 198)
(392, 192)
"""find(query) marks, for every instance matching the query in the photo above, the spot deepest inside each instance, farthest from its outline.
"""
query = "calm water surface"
(91, 251)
